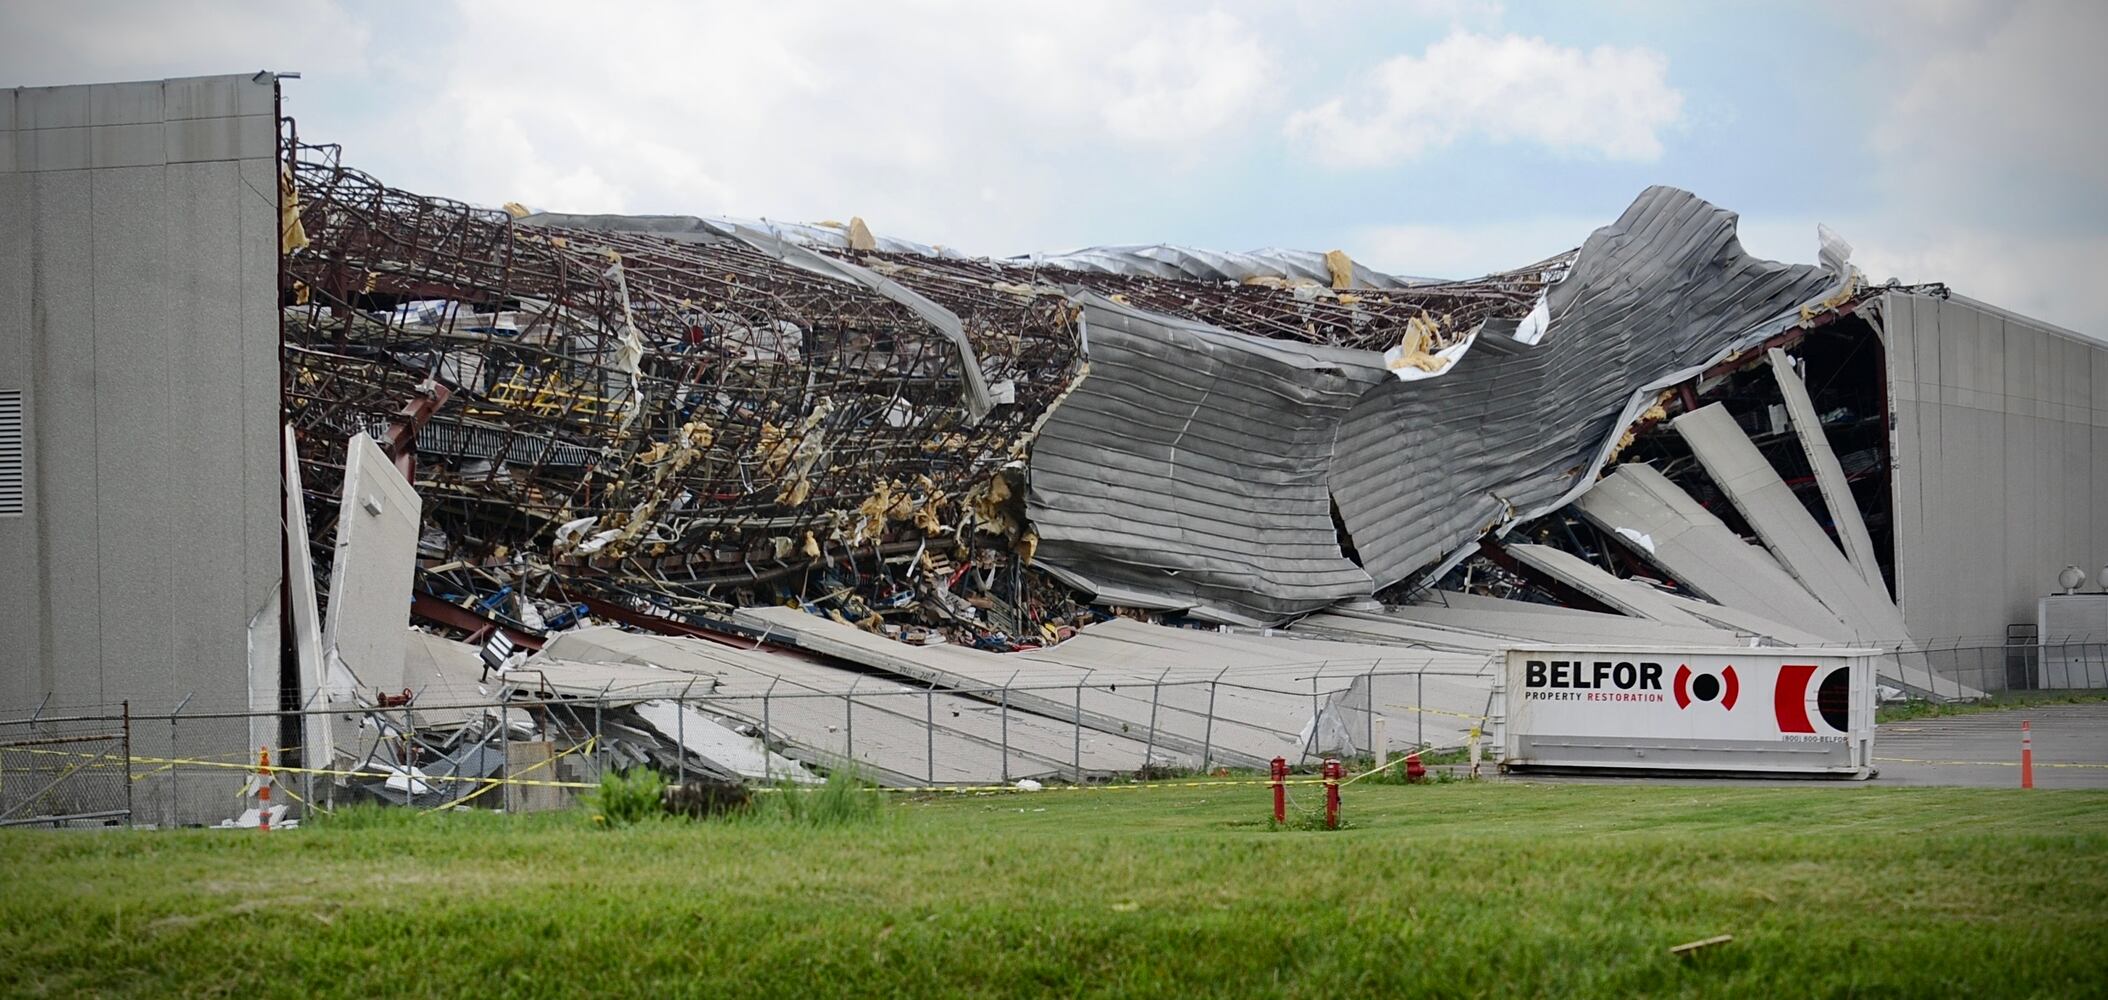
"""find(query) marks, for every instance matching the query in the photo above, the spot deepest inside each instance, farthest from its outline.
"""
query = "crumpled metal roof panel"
(1191, 462)
(1424, 469)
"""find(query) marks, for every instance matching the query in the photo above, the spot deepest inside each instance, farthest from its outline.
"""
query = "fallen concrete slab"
(1858, 544)
(1777, 516)
(1665, 527)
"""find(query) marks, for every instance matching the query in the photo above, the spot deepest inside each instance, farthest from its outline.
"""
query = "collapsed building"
(272, 412)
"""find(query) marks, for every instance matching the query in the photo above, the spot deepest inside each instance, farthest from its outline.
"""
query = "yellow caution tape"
(1979, 763)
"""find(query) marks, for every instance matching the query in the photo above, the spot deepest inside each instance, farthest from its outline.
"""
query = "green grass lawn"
(1456, 889)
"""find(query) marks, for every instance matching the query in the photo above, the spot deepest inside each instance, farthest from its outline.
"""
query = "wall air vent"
(14, 477)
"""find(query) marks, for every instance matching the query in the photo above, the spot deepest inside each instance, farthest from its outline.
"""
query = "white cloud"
(906, 115)
(1607, 101)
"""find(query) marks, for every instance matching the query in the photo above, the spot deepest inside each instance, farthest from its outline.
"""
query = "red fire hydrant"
(1413, 770)
(1280, 783)
(1331, 794)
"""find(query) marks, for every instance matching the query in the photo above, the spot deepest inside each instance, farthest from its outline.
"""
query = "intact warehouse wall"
(138, 319)
(2000, 444)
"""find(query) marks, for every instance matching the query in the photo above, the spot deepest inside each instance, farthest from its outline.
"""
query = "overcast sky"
(1949, 141)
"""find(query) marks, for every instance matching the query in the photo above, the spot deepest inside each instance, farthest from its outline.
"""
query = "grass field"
(1456, 889)
(1907, 710)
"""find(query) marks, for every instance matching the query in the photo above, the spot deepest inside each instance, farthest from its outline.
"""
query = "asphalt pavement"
(1982, 749)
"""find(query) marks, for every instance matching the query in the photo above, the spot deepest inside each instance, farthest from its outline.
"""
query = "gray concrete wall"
(2001, 461)
(138, 272)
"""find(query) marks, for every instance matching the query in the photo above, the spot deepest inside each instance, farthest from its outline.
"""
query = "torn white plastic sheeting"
(375, 563)
(1777, 516)
(1640, 538)
(1535, 325)
(1406, 371)
(1829, 475)
(705, 737)
(252, 817)
(1636, 599)
(1701, 552)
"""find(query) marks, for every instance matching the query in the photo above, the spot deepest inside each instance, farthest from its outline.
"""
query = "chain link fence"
(535, 748)
(66, 771)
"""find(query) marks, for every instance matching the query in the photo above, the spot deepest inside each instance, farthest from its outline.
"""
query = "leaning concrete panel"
(1778, 517)
(1829, 475)
(1750, 623)
(1661, 524)
(1594, 627)
(1632, 598)
(374, 564)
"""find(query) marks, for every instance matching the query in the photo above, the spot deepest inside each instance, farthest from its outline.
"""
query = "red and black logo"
(1694, 685)
(1798, 692)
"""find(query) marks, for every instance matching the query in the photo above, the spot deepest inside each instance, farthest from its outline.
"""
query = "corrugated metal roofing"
(1424, 469)
(1191, 462)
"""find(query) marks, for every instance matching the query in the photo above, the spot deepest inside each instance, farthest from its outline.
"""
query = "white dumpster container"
(1757, 710)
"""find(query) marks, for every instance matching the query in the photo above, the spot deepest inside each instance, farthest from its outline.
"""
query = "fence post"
(128, 763)
(768, 735)
(680, 726)
(1369, 708)
(410, 756)
(849, 722)
(600, 746)
(1006, 725)
(504, 752)
(1207, 739)
(1420, 708)
(307, 757)
(929, 733)
(1156, 696)
(175, 799)
(1076, 762)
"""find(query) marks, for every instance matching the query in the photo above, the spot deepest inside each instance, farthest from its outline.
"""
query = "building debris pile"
(783, 462)
(686, 419)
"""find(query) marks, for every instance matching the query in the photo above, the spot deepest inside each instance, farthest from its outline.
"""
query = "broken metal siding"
(1424, 468)
(1191, 462)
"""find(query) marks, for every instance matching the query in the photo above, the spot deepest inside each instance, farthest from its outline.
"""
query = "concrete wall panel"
(138, 304)
(2000, 458)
